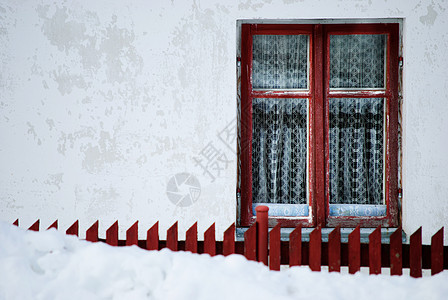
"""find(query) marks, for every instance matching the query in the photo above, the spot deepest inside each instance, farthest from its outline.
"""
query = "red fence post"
(262, 221)
(210, 241)
(171, 237)
(152, 237)
(334, 250)
(112, 234)
(92, 233)
(315, 250)
(415, 254)
(354, 251)
(132, 235)
(191, 239)
(228, 246)
(375, 251)
(74, 229)
(35, 226)
(250, 243)
(274, 248)
(396, 253)
(54, 225)
(437, 252)
(295, 247)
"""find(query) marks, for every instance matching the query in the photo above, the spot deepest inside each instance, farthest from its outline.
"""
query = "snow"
(51, 265)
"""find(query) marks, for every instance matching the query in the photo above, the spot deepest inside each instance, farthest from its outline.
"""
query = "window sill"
(365, 232)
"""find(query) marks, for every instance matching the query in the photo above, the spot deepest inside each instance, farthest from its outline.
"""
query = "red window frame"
(318, 95)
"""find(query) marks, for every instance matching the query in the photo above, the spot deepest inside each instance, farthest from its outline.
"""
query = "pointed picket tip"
(315, 249)
(396, 252)
(354, 250)
(74, 229)
(415, 254)
(437, 252)
(112, 234)
(250, 243)
(275, 248)
(334, 250)
(375, 251)
(210, 241)
(152, 237)
(35, 226)
(54, 225)
(132, 235)
(191, 238)
(229, 240)
(295, 247)
(172, 237)
(16, 222)
(92, 232)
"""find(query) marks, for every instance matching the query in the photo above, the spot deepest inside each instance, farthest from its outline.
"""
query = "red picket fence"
(266, 246)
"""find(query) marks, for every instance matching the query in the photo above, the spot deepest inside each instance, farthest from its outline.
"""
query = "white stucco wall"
(101, 103)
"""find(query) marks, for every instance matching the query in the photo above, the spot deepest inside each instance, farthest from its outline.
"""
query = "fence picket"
(354, 251)
(250, 242)
(191, 238)
(315, 249)
(210, 241)
(132, 235)
(262, 233)
(375, 251)
(74, 229)
(295, 247)
(334, 250)
(112, 234)
(396, 253)
(274, 248)
(54, 225)
(415, 254)
(92, 232)
(35, 226)
(437, 252)
(229, 241)
(171, 237)
(152, 237)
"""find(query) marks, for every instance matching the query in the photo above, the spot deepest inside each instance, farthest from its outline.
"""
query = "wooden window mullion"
(318, 128)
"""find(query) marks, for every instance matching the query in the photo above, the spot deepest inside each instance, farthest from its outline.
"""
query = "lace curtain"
(279, 150)
(280, 130)
(357, 61)
(356, 151)
(280, 62)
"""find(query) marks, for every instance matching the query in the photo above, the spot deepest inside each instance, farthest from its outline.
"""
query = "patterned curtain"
(279, 142)
(357, 61)
(356, 125)
(279, 150)
(280, 62)
(356, 151)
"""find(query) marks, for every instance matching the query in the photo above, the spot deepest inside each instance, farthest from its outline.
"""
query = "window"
(319, 121)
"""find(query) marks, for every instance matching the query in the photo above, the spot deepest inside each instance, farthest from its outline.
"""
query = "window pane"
(279, 151)
(356, 151)
(280, 62)
(357, 61)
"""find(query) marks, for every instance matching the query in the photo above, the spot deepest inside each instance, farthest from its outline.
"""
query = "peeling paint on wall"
(430, 17)
(55, 180)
